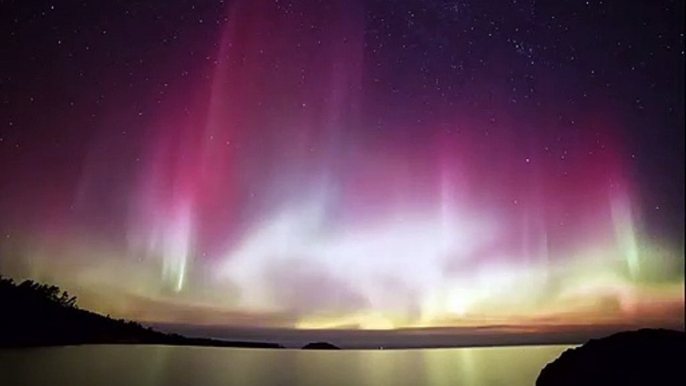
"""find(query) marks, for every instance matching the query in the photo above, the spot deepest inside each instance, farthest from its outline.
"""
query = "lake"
(168, 365)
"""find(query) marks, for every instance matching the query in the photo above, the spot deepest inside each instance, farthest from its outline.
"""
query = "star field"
(358, 164)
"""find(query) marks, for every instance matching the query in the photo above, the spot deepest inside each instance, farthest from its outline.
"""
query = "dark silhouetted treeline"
(34, 314)
(643, 357)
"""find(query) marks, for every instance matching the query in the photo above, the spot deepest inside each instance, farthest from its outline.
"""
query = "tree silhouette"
(34, 314)
(30, 290)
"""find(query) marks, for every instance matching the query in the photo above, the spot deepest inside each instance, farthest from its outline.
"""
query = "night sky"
(359, 164)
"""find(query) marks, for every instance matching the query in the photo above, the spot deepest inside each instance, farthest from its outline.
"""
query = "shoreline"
(259, 346)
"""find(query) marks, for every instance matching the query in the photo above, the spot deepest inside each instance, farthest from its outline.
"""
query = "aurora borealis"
(349, 164)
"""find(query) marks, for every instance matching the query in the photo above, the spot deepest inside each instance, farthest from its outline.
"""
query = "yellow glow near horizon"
(594, 286)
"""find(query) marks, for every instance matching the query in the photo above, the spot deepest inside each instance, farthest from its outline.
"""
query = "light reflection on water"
(166, 365)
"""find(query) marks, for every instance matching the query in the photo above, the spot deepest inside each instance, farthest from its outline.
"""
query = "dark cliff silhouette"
(36, 314)
(643, 357)
(320, 346)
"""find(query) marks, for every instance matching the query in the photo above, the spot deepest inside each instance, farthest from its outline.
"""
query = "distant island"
(43, 315)
(643, 357)
(320, 346)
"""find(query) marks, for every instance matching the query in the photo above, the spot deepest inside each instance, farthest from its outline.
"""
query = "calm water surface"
(166, 365)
